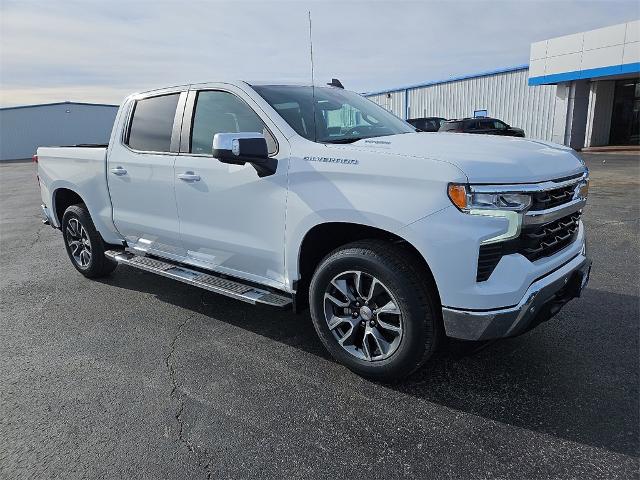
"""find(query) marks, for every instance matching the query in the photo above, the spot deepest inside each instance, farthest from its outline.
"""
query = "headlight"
(507, 205)
(583, 189)
(467, 200)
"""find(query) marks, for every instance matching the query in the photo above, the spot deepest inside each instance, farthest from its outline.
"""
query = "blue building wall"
(24, 129)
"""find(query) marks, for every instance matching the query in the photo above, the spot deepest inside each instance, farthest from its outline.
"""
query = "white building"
(582, 90)
(23, 129)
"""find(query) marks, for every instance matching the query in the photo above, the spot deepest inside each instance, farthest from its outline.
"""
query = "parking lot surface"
(136, 376)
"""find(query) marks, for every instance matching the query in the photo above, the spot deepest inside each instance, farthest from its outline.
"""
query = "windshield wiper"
(344, 140)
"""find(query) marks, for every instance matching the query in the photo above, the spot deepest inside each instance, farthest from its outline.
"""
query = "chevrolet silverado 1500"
(315, 196)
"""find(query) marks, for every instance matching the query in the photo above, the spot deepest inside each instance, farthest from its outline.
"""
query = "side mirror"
(244, 147)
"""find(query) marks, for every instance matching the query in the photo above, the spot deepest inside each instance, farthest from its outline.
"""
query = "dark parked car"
(489, 126)
(427, 124)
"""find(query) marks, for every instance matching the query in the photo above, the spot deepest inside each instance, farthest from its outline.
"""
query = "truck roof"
(237, 82)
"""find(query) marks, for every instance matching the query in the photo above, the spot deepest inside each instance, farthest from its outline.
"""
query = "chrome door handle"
(189, 177)
(118, 171)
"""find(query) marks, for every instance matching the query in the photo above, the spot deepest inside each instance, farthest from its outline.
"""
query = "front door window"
(223, 112)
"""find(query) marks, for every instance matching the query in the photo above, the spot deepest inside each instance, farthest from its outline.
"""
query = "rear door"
(231, 220)
(140, 172)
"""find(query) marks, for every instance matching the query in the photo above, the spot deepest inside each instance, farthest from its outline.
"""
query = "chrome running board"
(223, 286)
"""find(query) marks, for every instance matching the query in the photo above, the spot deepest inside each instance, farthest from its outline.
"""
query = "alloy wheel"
(79, 243)
(363, 315)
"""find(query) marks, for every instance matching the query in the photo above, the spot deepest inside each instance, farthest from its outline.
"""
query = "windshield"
(340, 116)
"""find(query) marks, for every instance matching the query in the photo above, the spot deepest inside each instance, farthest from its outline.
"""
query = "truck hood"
(483, 158)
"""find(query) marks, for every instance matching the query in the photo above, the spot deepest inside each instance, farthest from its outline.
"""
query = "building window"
(625, 117)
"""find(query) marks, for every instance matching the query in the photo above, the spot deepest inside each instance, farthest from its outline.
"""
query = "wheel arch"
(323, 238)
(62, 199)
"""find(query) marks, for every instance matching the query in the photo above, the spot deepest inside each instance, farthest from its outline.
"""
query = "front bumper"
(543, 299)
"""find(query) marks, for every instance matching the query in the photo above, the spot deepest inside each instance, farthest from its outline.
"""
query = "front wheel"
(84, 244)
(374, 310)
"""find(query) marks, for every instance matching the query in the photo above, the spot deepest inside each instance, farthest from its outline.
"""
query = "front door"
(488, 127)
(231, 220)
(140, 174)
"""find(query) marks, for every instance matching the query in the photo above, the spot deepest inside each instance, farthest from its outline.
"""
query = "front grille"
(534, 242)
(549, 238)
(552, 198)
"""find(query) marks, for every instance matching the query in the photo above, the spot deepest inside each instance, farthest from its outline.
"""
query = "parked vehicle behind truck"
(482, 125)
(316, 197)
(427, 124)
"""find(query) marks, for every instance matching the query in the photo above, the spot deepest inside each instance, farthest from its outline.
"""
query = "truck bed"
(81, 169)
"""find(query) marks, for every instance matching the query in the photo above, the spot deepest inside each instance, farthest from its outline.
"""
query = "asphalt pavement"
(137, 376)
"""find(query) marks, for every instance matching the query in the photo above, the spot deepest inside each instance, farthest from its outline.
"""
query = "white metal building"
(23, 129)
(503, 94)
(597, 74)
(581, 90)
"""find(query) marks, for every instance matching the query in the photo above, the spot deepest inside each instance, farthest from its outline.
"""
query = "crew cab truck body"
(296, 195)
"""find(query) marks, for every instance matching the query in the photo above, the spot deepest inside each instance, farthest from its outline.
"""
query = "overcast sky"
(99, 51)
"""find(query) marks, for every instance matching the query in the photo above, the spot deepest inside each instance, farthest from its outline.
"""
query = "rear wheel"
(374, 310)
(84, 244)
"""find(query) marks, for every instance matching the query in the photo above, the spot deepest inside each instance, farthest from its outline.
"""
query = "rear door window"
(448, 126)
(152, 123)
(431, 125)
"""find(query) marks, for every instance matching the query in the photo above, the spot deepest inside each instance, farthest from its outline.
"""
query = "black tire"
(413, 290)
(98, 265)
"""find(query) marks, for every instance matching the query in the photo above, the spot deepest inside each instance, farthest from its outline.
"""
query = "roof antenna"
(313, 88)
(336, 83)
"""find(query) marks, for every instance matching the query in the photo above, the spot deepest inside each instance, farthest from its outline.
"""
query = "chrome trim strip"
(527, 187)
(224, 141)
(187, 120)
(176, 131)
(537, 217)
(505, 322)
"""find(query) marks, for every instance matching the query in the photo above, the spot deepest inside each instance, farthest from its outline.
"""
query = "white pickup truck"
(315, 196)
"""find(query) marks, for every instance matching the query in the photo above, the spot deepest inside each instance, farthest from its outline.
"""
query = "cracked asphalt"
(136, 376)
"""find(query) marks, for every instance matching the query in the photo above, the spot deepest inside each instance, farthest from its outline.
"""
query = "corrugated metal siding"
(506, 96)
(23, 130)
(392, 101)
